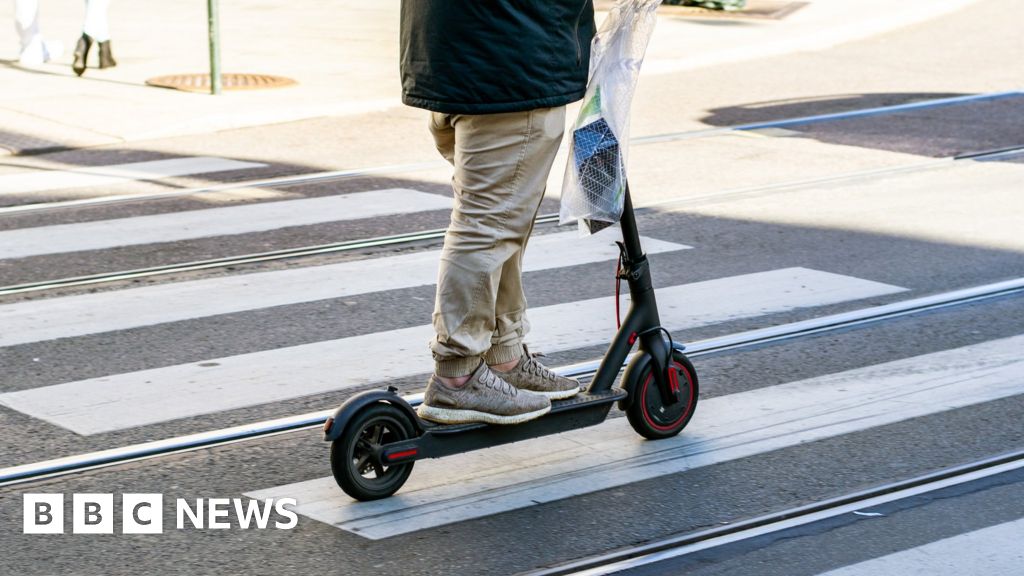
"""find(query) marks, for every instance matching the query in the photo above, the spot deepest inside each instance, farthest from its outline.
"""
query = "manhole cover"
(201, 82)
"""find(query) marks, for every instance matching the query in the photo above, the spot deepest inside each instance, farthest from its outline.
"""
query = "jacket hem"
(491, 107)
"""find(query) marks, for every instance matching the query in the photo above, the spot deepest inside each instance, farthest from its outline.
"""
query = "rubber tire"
(342, 451)
(647, 397)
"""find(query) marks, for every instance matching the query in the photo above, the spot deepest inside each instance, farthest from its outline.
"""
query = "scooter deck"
(584, 409)
(581, 401)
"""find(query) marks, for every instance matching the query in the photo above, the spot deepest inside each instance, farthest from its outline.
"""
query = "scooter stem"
(632, 250)
(642, 320)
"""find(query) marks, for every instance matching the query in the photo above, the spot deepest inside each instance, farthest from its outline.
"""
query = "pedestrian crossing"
(38, 320)
(490, 481)
(725, 428)
(134, 399)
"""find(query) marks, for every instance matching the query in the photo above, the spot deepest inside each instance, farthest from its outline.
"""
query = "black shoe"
(106, 56)
(81, 54)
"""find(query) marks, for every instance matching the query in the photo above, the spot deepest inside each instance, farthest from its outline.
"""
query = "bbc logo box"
(93, 514)
(44, 514)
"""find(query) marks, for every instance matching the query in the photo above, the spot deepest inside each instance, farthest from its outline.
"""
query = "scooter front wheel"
(647, 412)
(356, 455)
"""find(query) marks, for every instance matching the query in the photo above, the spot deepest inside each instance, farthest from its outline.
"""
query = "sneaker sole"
(454, 416)
(558, 394)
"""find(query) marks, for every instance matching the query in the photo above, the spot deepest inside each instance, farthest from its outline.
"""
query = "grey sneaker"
(484, 398)
(533, 376)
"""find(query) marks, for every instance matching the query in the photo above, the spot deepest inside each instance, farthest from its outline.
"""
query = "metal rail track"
(410, 238)
(337, 175)
(636, 557)
(93, 460)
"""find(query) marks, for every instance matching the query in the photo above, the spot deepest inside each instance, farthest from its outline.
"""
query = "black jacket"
(488, 56)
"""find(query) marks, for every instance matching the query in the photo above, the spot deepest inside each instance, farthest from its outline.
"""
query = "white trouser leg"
(96, 24)
(26, 20)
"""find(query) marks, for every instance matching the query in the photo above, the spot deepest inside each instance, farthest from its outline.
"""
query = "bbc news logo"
(144, 513)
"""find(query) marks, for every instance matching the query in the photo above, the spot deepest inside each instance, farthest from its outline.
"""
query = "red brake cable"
(618, 287)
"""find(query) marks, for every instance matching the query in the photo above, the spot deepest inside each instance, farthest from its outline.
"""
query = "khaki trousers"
(501, 164)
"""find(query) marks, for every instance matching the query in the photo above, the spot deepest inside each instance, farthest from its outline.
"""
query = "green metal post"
(213, 18)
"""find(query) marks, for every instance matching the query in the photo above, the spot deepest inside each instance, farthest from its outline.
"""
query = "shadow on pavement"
(944, 131)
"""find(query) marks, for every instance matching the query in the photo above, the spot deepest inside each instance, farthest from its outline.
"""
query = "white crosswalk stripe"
(225, 221)
(135, 399)
(993, 551)
(34, 321)
(725, 428)
(87, 176)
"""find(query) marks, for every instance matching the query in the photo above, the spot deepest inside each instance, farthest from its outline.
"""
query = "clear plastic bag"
(593, 190)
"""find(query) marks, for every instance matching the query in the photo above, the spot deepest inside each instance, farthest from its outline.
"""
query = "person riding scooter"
(496, 77)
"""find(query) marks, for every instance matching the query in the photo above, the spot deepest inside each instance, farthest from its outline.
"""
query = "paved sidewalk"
(342, 53)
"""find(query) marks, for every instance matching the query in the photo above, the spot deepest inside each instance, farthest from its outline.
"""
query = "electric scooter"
(377, 436)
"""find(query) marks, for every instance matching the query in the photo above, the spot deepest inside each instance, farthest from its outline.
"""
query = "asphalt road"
(867, 204)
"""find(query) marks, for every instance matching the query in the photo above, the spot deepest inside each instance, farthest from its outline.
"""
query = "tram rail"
(637, 557)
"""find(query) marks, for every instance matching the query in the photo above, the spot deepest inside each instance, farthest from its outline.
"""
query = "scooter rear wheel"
(356, 454)
(647, 412)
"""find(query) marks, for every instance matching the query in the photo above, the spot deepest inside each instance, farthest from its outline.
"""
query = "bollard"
(213, 18)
